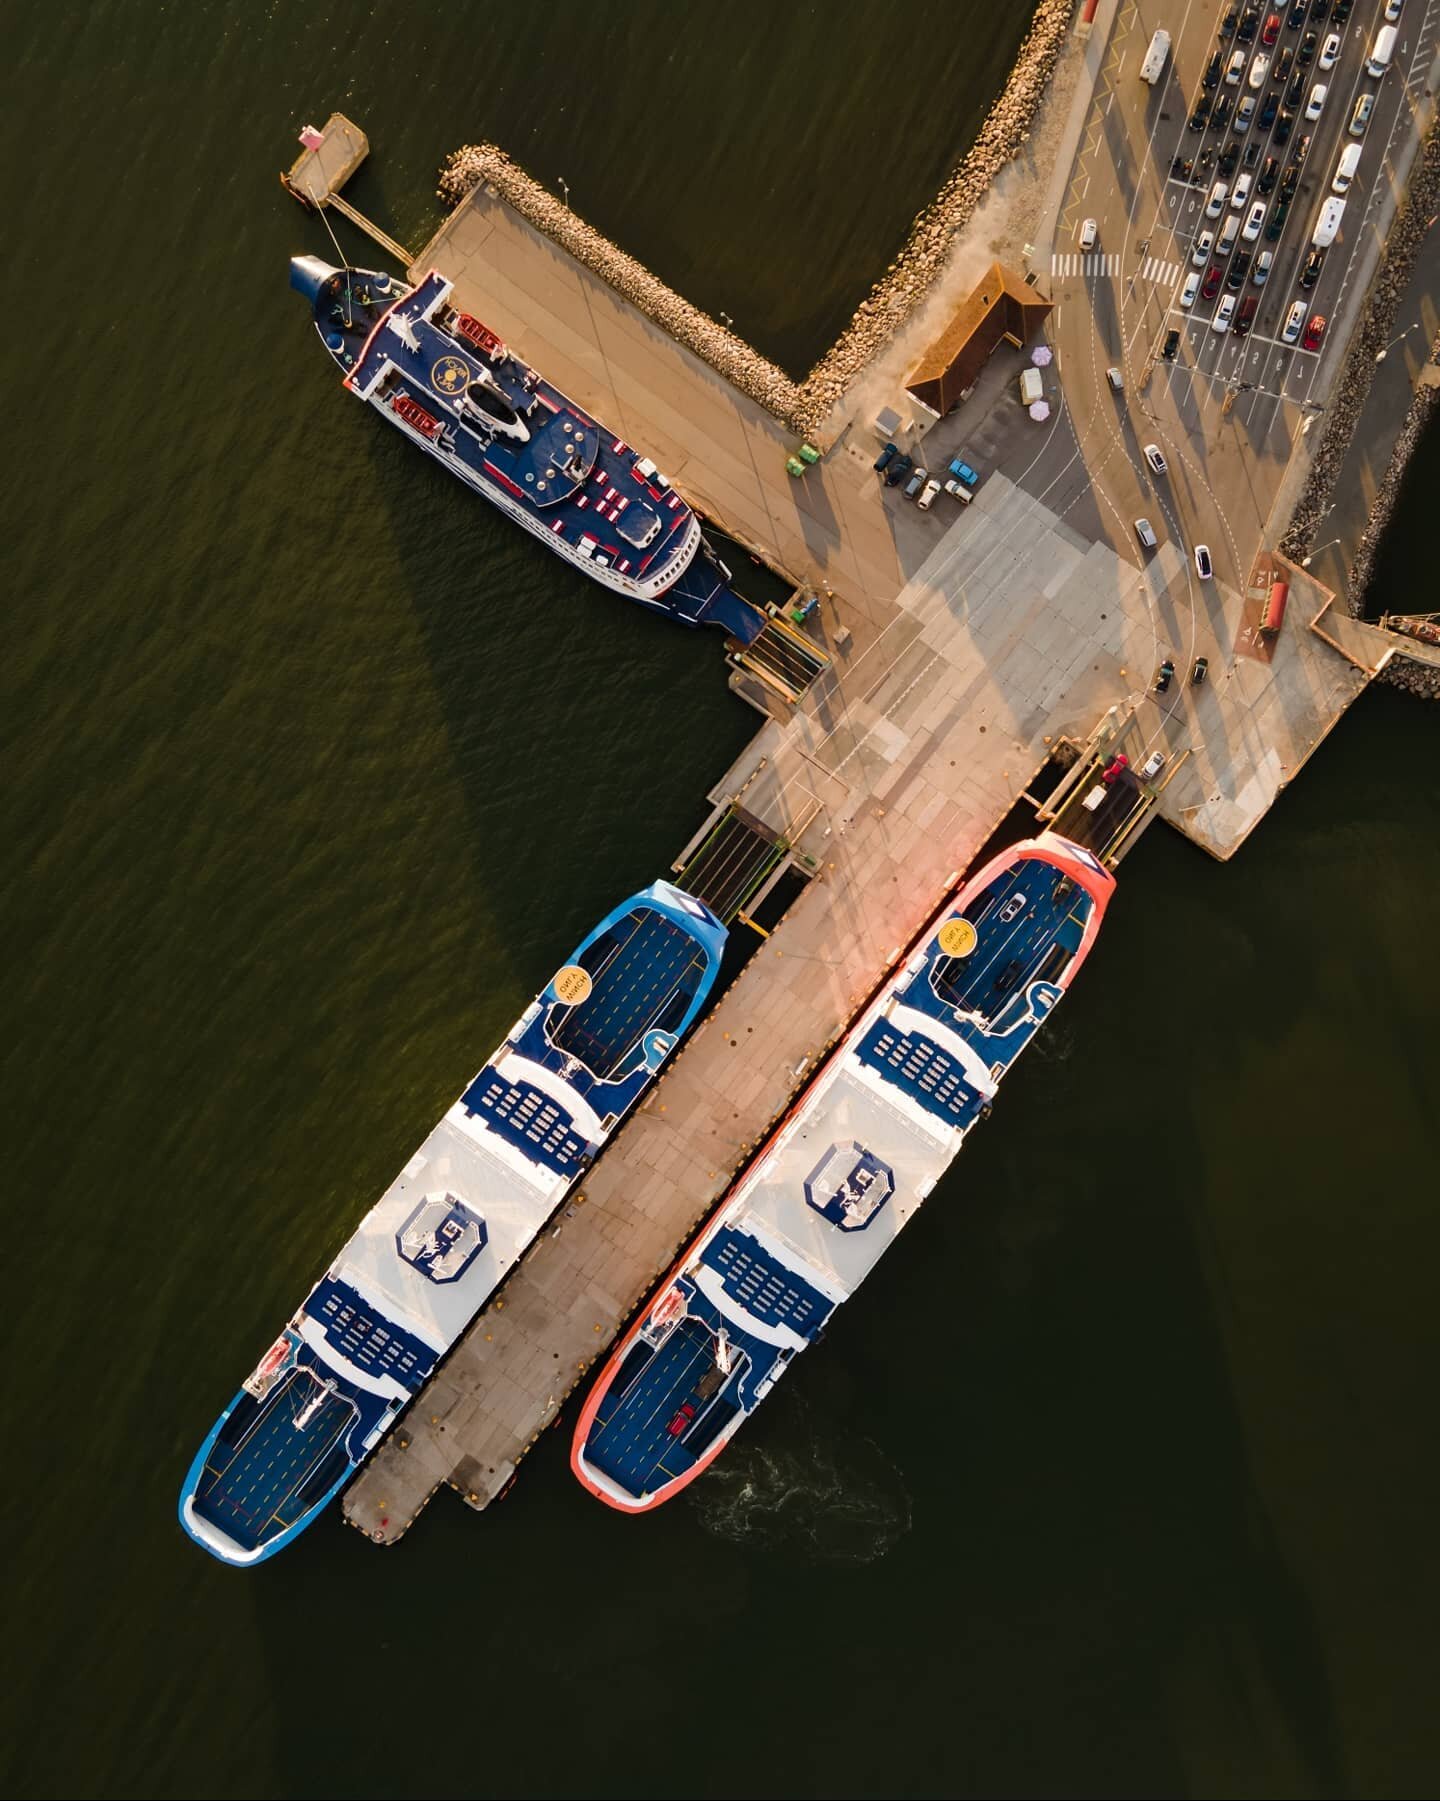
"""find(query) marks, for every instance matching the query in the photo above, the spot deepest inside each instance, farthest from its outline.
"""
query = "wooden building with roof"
(1002, 309)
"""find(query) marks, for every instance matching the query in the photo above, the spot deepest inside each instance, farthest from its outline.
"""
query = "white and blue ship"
(443, 1236)
(450, 385)
(847, 1169)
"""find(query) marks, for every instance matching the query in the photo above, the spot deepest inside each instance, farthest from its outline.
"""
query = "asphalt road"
(1116, 304)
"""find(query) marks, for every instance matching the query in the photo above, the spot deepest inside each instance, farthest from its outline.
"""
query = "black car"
(1295, 93)
(1284, 125)
(1309, 44)
(898, 470)
(1172, 344)
(1229, 156)
(1278, 215)
(1280, 68)
(1248, 26)
(1319, 10)
(1211, 78)
(1296, 16)
(1342, 10)
(1245, 318)
(1252, 152)
(1302, 149)
(1289, 181)
(1314, 263)
(1220, 117)
(1229, 22)
(1269, 175)
(1200, 114)
(1238, 270)
(1268, 111)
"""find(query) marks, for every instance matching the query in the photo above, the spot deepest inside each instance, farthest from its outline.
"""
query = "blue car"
(890, 450)
(962, 470)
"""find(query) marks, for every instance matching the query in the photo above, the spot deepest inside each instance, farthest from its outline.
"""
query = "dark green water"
(1122, 1475)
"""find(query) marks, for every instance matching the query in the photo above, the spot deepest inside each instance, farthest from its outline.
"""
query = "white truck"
(1328, 224)
(1031, 387)
(1156, 56)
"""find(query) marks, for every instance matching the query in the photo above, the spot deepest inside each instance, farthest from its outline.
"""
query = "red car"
(1210, 287)
(1314, 331)
(1271, 31)
(1115, 769)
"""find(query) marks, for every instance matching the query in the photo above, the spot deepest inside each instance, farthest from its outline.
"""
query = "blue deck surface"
(645, 972)
(528, 1118)
(768, 1290)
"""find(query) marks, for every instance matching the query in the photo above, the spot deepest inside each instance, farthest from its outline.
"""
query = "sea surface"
(1121, 1477)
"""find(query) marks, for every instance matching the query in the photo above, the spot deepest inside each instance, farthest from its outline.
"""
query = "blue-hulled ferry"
(452, 387)
(850, 1165)
(445, 1233)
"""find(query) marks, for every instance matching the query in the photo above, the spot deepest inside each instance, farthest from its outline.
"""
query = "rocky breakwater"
(1367, 350)
(885, 310)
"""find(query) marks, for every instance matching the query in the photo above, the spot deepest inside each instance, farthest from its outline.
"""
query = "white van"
(1226, 241)
(1215, 205)
(1153, 66)
(1328, 224)
(1381, 51)
(1031, 387)
(1345, 169)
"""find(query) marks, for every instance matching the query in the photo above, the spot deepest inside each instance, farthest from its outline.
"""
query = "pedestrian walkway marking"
(1158, 270)
(1093, 262)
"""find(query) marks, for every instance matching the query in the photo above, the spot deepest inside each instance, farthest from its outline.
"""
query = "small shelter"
(1003, 308)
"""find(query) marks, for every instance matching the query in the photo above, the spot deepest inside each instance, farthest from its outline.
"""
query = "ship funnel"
(308, 273)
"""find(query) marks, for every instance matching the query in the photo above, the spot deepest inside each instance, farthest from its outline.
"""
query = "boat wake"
(830, 1504)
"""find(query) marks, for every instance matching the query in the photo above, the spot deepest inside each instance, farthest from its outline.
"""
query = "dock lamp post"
(726, 321)
(1305, 562)
(566, 186)
(1380, 355)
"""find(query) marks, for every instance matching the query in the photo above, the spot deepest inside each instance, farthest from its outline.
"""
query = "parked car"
(1200, 668)
(1360, 118)
(1321, 7)
(1295, 18)
(890, 450)
(1229, 156)
(1215, 205)
(1224, 313)
(963, 472)
(1284, 125)
(1201, 248)
(1249, 24)
(1310, 274)
(1235, 68)
(1240, 193)
(1268, 176)
(1282, 65)
(1316, 103)
(1302, 148)
(1220, 113)
(1343, 10)
(1190, 289)
(1145, 532)
(1254, 150)
(1271, 31)
(927, 495)
(1294, 319)
(1210, 287)
(898, 470)
(1290, 180)
(1089, 234)
(916, 482)
(1203, 566)
(1245, 318)
(1229, 22)
(1201, 115)
(1309, 44)
(1238, 270)
(1295, 93)
(959, 491)
(1314, 331)
(1116, 379)
(1172, 344)
(1279, 213)
(1254, 219)
(1155, 457)
(1155, 762)
(1114, 769)
(1268, 111)
(1329, 51)
(1263, 264)
(1259, 69)
(1244, 113)
(1163, 675)
(1211, 77)
(1392, 11)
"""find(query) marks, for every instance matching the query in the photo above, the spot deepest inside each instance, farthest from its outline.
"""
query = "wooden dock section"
(317, 175)
(962, 648)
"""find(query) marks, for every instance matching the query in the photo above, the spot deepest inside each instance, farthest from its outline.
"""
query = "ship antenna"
(345, 264)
